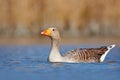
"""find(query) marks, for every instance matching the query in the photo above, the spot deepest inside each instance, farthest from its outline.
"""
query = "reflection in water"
(111, 62)
(30, 62)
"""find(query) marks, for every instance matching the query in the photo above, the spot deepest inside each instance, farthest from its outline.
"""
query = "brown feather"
(86, 54)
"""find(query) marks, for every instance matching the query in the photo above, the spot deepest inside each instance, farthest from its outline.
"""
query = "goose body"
(76, 55)
(88, 54)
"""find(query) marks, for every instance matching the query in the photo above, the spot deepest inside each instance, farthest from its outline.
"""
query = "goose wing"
(86, 54)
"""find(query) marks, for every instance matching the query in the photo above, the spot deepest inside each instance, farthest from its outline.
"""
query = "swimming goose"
(76, 55)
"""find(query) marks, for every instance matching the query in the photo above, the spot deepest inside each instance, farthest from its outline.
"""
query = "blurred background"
(21, 21)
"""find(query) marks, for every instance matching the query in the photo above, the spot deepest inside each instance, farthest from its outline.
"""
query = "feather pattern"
(86, 54)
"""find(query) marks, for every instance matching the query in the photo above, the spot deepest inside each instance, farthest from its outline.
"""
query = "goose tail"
(111, 46)
(104, 55)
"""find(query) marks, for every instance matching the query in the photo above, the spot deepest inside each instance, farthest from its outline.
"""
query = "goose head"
(51, 32)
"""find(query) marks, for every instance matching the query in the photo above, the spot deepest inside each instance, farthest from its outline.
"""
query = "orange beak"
(46, 32)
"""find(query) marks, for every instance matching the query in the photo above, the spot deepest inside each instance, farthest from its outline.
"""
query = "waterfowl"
(77, 55)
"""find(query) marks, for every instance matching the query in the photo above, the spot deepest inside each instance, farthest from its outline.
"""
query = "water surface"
(29, 62)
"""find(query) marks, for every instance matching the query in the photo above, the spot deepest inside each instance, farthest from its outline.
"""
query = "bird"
(85, 55)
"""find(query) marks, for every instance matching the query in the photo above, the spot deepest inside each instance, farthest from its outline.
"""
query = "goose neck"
(55, 43)
(55, 55)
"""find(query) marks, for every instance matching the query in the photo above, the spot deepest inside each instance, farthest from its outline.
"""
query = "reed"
(72, 17)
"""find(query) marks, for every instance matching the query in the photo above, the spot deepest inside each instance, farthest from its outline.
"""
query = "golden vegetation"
(74, 17)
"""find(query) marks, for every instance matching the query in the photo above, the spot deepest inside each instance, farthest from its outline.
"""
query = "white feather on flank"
(104, 55)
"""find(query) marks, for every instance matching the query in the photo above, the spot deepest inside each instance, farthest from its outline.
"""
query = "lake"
(29, 62)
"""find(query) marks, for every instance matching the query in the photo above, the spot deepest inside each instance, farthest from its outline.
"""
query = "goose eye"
(53, 30)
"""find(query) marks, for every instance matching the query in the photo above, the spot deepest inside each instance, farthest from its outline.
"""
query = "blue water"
(30, 63)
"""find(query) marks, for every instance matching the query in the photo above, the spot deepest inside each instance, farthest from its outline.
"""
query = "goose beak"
(46, 32)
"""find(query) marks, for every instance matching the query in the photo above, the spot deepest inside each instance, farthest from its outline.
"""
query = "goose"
(85, 55)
